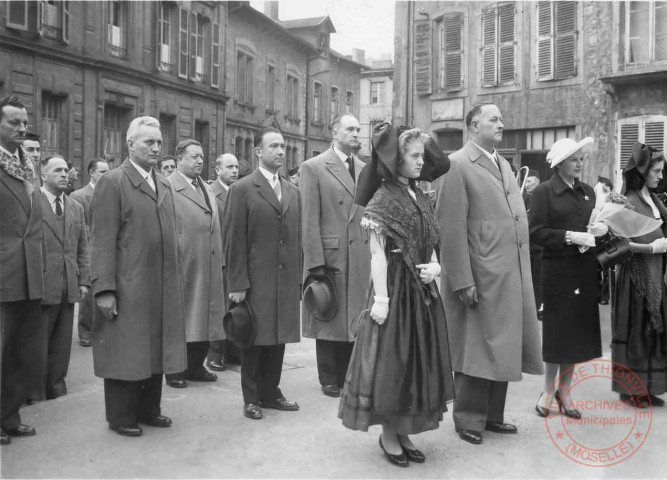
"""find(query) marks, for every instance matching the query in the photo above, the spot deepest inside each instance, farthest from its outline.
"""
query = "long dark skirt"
(571, 324)
(400, 372)
(629, 319)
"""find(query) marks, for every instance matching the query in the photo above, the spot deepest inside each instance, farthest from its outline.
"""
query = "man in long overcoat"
(263, 256)
(21, 269)
(96, 168)
(333, 244)
(487, 286)
(200, 249)
(138, 330)
(227, 172)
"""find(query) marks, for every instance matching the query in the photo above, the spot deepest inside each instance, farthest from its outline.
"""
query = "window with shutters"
(648, 129)
(334, 101)
(646, 32)
(117, 28)
(245, 76)
(498, 45)
(196, 35)
(450, 48)
(164, 52)
(270, 87)
(317, 102)
(54, 19)
(557, 38)
(292, 97)
(349, 102)
(17, 14)
(198, 27)
(216, 53)
(52, 120)
(116, 121)
(377, 92)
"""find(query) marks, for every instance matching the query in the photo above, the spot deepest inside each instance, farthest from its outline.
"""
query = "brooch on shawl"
(586, 198)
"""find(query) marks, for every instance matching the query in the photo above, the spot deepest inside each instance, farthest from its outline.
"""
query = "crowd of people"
(414, 301)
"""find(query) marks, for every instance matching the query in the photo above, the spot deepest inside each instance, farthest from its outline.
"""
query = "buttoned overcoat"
(484, 242)
(200, 257)
(332, 237)
(134, 253)
(263, 255)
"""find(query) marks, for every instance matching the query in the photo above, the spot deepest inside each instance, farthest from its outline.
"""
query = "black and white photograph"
(333, 239)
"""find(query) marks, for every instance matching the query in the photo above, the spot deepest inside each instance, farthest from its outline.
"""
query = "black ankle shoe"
(573, 413)
(398, 460)
(541, 411)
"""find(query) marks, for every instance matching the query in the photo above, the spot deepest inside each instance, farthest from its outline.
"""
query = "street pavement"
(210, 437)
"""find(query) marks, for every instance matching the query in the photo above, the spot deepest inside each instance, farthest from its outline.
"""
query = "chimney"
(271, 9)
(359, 55)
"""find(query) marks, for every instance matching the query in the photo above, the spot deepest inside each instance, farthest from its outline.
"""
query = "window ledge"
(635, 76)
(245, 106)
(317, 123)
(272, 111)
(292, 119)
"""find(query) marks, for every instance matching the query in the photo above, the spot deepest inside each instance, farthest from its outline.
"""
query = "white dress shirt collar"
(145, 175)
(52, 199)
(343, 157)
(224, 185)
(272, 178)
(491, 156)
(92, 185)
(187, 179)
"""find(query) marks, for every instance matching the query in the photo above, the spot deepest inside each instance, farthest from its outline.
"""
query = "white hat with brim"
(564, 149)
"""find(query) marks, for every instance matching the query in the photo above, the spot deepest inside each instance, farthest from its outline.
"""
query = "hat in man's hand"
(320, 298)
(239, 325)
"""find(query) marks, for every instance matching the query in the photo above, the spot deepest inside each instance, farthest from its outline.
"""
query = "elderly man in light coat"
(333, 244)
(487, 287)
(200, 249)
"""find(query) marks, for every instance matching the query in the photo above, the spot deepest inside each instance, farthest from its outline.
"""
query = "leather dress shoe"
(499, 427)
(126, 430)
(4, 438)
(280, 404)
(177, 383)
(331, 390)
(202, 377)
(413, 454)
(160, 421)
(252, 411)
(470, 436)
(86, 342)
(216, 365)
(22, 430)
(398, 460)
(656, 401)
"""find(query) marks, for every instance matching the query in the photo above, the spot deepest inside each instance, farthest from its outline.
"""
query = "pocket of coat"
(331, 243)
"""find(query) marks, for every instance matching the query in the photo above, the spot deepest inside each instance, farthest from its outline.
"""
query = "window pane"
(660, 31)
(639, 42)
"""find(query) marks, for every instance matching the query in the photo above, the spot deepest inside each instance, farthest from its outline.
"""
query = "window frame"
(216, 52)
(551, 40)
(497, 46)
(271, 77)
(249, 85)
(26, 15)
(318, 101)
(443, 53)
(334, 102)
(624, 148)
(651, 33)
(119, 51)
(292, 101)
(349, 101)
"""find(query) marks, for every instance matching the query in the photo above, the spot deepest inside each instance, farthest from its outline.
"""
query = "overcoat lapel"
(340, 172)
(51, 221)
(137, 180)
(181, 186)
(287, 195)
(19, 192)
(266, 192)
(162, 189)
(358, 166)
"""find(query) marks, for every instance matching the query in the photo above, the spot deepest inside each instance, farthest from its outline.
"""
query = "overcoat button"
(280, 218)
(280, 267)
(340, 202)
(516, 217)
(351, 242)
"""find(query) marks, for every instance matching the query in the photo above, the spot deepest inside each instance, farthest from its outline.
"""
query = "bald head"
(227, 168)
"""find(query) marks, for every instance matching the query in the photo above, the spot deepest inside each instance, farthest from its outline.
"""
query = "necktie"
(201, 193)
(59, 208)
(350, 166)
(276, 188)
(151, 183)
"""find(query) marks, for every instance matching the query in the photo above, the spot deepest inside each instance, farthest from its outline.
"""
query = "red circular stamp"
(609, 431)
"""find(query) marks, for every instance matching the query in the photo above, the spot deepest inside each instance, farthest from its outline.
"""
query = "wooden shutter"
(41, 14)
(506, 50)
(241, 77)
(489, 47)
(193, 45)
(66, 17)
(183, 42)
(17, 14)
(453, 52)
(423, 57)
(566, 39)
(654, 134)
(544, 41)
(215, 54)
(250, 79)
(629, 135)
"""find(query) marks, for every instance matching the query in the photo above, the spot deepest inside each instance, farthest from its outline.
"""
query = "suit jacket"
(84, 196)
(220, 197)
(484, 242)
(21, 256)
(263, 254)
(134, 253)
(66, 256)
(200, 260)
(332, 237)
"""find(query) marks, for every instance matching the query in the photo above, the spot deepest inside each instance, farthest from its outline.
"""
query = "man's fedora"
(239, 325)
(320, 298)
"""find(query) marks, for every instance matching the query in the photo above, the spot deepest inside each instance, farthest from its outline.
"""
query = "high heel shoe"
(543, 412)
(573, 413)
(398, 460)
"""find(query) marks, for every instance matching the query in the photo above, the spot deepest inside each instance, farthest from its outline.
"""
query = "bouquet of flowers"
(621, 219)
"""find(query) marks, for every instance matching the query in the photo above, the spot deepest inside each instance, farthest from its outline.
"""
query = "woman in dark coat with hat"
(560, 212)
(640, 300)
(400, 372)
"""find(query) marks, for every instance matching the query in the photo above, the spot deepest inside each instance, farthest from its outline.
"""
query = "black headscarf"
(638, 165)
(385, 156)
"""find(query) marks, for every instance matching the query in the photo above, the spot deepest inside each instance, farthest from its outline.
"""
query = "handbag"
(612, 251)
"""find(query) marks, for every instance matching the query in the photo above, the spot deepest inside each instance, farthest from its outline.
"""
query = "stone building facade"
(376, 100)
(554, 69)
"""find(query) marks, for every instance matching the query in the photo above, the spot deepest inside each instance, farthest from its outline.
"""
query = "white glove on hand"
(380, 309)
(584, 239)
(429, 271)
(598, 229)
(659, 245)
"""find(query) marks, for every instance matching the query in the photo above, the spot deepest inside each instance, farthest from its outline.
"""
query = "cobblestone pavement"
(211, 438)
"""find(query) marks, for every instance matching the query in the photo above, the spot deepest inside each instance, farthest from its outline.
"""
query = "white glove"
(584, 239)
(380, 309)
(598, 229)
(659, 245)
(429, 271)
